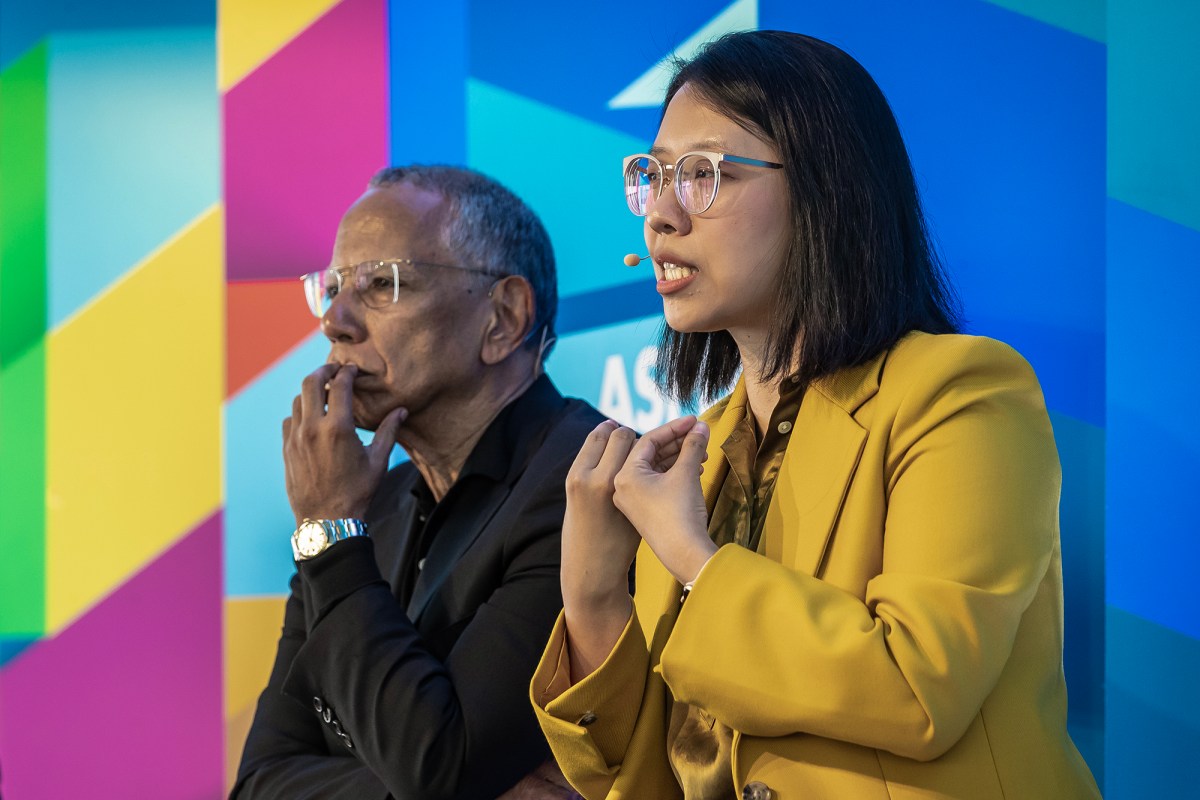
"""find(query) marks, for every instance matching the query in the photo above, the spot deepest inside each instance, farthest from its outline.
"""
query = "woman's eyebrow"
(711, 143)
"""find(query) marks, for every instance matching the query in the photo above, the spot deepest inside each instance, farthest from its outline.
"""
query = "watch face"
(310, 539)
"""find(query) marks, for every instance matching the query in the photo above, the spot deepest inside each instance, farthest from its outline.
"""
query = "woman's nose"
(665, 215)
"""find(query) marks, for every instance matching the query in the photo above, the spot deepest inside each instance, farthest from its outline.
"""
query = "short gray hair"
(490, 228)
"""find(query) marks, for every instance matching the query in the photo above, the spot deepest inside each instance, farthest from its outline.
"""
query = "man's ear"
(511, 318)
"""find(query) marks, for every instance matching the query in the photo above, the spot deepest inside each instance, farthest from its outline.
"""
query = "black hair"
(860, 272)
(491, 228)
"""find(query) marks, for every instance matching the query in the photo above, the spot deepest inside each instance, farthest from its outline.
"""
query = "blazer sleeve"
(971, 483)
(617, 710)
(285, 756)
(427, 727)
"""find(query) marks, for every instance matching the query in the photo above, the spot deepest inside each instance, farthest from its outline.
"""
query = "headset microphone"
(633, 259)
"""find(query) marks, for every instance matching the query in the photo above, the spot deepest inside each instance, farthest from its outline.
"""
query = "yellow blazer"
(899, 634)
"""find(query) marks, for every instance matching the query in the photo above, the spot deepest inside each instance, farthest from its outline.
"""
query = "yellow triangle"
(251, 633)
(251, 31)
(134, 390)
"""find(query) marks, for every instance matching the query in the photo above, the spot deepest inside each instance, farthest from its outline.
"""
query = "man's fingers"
(340, 395)
(312, 390)
(385, 436)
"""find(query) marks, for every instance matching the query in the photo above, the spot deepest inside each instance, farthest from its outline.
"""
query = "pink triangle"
(126, 702)
(304, 133)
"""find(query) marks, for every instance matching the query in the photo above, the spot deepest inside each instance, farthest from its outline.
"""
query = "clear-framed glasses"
(696, 175)
(377, 283)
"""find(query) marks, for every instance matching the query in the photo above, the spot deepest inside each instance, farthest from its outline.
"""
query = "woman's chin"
(684, 323)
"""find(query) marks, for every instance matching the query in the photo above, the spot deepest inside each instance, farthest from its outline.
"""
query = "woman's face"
(718, 270)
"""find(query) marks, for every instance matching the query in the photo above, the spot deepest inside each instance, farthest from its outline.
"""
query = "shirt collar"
(518, 429)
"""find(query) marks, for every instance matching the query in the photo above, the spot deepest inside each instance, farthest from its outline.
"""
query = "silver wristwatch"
(315, 536)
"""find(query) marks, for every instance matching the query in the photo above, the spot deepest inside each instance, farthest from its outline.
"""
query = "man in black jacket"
(422, 598)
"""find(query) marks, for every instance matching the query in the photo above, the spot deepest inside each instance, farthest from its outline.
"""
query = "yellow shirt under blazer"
(899, 634)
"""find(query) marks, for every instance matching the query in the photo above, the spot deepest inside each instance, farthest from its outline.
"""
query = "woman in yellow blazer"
(847, 579)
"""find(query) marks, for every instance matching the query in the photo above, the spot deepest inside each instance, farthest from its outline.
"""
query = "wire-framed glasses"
(377, 283)
(696, 176)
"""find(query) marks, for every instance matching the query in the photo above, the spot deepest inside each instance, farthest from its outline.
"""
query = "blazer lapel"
(721, 420)
(395, 546)
(462, 526)
(391, 529)
(821, 458)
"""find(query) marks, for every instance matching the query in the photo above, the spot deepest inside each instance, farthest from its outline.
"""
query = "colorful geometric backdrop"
(167, 169)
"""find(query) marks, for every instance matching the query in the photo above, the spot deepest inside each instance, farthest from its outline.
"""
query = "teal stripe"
(1154, 108)
(1082, 17)
(1151, 718)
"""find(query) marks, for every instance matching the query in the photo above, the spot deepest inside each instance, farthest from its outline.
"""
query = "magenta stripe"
(126, 702)
(303, 134)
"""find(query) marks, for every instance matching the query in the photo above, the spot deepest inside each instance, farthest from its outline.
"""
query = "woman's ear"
(512, 315)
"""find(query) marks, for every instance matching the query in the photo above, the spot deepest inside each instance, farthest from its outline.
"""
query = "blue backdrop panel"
(1004, 119)
(23, 24)
(568, 170)
(133, 150)
(1153, 695)
(612, 369)
(429, 57)
(1153, 449)
(1154, 96)
(1081, 516)
(258, 519)
(1084, 17)
(578, 56)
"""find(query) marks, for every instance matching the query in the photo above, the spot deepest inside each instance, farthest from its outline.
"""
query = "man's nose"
(343, 321)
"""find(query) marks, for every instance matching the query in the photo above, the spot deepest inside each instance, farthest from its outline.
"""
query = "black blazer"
(372, 699)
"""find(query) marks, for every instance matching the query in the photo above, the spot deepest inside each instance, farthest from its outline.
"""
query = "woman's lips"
(673, 276)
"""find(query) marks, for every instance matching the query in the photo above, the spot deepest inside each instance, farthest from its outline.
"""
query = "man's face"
(426, 346)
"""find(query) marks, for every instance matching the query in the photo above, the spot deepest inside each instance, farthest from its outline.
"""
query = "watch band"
(315, 536)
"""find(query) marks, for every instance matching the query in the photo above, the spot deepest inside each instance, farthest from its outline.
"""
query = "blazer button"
(587, 719)
(327, 715)
(318, 705)
(757, 790)
(346, 741)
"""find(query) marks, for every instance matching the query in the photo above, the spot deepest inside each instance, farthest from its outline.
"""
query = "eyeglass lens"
(376, 282)
(695, 181)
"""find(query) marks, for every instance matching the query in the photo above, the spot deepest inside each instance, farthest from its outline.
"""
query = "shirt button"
(421, 565)
(785, 426)
(587, 719)
(757, 790)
